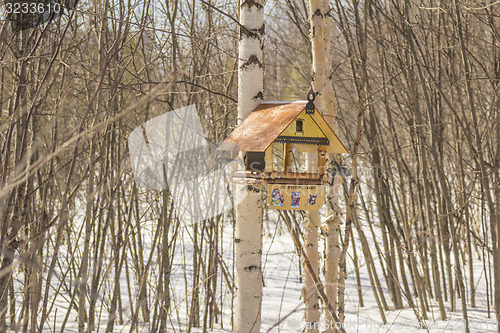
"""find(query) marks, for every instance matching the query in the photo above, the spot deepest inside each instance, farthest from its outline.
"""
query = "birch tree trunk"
(309, 291)
(313, 222)
(248, 233)
(322, 86)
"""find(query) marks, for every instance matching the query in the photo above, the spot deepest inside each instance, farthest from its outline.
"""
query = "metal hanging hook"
(310, 107)
(311, 95)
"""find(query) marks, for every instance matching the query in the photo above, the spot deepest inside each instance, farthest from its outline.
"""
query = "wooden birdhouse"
(273, 139)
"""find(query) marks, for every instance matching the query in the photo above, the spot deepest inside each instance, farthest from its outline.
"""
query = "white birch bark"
(325, 102)
(309, 292)
(332, 227)
(311, 298)
(248, 233)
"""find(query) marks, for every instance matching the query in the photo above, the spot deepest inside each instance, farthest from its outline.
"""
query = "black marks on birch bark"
(251, 3)
(252, 60)
(251, 188)
(251, 268)
(318, 13)
(253, 33)
(259, 95)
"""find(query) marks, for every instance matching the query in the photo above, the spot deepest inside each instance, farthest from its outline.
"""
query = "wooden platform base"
(298, 178)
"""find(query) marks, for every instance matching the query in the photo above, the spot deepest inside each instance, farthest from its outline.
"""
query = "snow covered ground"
(282, 308)
(282, 291)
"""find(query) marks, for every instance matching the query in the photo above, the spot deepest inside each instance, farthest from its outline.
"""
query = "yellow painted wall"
(311, 130)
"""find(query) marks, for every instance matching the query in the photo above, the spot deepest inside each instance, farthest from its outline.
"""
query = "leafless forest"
(417, 92)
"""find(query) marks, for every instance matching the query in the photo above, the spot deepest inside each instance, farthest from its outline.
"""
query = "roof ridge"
(282, 102)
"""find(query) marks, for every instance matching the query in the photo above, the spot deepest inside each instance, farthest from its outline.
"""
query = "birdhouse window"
(255, 161)
(299, 126)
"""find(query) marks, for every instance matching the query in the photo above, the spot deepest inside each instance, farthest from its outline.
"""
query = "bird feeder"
(267, 139)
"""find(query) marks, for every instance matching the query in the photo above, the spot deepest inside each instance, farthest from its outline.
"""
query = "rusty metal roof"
(261, 127)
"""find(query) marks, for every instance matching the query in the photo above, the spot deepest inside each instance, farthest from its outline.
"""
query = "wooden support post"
(288, 158)
(268, 159)
(321, 160)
